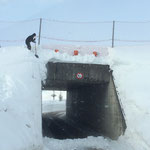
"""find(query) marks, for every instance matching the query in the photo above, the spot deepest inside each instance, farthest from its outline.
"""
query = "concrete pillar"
(114, 122)
(96, 107)
(85, 105)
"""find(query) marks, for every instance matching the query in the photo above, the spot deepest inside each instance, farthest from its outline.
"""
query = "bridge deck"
(62, 76)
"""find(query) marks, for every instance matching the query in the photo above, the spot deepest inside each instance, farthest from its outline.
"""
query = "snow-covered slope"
(20, 98)
(131, 67)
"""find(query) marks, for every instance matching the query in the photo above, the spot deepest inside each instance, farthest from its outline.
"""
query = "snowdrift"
(20, 98)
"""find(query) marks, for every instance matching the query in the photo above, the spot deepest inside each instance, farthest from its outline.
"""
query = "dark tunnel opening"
(81, 117)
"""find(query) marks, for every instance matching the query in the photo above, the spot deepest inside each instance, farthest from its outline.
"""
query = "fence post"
(40, 31)
(113, 34)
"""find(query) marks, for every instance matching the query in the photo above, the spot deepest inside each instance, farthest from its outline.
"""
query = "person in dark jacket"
(29, 39)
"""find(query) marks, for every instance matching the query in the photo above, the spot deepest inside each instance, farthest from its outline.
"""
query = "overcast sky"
(83, 10)
(76, 9)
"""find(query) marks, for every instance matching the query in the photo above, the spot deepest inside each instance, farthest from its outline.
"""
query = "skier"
(29, 39)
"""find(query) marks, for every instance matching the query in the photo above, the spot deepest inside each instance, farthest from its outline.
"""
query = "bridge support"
(92, 103)
(96, 107)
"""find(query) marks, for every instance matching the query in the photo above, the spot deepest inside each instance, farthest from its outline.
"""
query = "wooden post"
(113, 34)
(40, 31)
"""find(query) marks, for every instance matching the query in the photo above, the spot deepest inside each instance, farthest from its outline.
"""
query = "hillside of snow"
(20, 100)
(20, 97)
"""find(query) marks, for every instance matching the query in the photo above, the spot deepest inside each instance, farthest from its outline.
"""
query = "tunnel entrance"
(53, 101)
(92, 106)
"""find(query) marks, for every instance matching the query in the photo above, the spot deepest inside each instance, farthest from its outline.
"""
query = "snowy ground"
(20, 98)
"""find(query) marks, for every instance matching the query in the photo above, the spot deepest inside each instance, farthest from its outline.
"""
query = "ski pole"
(36, 52)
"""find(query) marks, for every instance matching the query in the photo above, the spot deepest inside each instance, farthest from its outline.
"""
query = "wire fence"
(51, 31)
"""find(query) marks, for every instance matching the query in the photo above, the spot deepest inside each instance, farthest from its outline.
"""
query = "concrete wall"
(62, 76)
(114, 122)
(96, 107)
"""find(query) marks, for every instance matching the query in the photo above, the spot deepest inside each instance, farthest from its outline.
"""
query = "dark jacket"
(31, 38)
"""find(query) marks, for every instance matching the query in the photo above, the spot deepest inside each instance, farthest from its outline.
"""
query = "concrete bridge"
(92, 107)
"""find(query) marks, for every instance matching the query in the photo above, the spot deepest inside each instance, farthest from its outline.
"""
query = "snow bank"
(131, 67)
(20, 94)
(20, 100)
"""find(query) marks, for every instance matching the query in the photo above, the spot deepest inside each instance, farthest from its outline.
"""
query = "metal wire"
(84, 41)
(65, 40)
(134, 22)
(136, 41)
(12, 41)
(20, 21)
(76, 22)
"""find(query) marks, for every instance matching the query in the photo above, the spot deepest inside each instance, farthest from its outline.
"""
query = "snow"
(131, 67)
(20, 103)
(20, 96)
(66, 54)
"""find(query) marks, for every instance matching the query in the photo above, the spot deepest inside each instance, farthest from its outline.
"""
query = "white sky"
(83, 10)
(76, 9)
